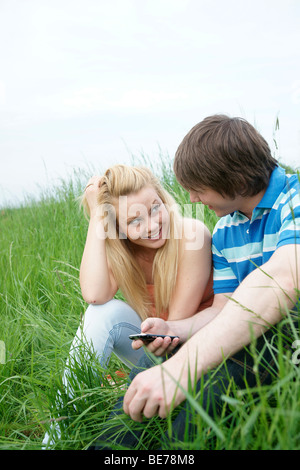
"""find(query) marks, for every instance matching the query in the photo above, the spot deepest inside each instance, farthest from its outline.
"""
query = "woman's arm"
(194, 270)
(184, 328)
(96, 279)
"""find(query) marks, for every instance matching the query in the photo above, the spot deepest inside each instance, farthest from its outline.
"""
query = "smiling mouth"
(156, 236)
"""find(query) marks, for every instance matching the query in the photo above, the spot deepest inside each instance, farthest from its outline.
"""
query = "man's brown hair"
(225, 154)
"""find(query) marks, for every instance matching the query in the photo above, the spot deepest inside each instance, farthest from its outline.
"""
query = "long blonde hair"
(121, 180)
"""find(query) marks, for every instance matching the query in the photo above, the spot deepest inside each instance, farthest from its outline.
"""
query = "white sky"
(96, 80)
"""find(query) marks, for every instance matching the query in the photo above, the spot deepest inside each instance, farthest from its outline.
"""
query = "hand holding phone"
(147, 338)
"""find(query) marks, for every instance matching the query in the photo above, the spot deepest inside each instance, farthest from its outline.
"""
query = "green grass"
(41, 245)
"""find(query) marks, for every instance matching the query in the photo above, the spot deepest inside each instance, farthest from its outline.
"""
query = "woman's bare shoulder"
(194, 226)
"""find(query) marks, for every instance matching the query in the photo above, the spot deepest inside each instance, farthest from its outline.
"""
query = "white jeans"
(107, 328)
(104, 330)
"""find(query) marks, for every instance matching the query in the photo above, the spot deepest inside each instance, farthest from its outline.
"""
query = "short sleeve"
(224, 278)
(289, 232)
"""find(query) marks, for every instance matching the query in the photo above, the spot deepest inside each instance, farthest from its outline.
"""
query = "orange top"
(207, 299)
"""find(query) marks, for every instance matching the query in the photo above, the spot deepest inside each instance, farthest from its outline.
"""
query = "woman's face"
(143, 218)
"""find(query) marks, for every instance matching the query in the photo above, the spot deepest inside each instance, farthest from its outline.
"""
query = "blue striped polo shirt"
(240, 245)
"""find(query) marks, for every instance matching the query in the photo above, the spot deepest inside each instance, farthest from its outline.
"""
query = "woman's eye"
(155, 208)
(135, 222)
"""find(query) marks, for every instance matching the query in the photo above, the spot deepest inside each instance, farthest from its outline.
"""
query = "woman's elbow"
(96, 299)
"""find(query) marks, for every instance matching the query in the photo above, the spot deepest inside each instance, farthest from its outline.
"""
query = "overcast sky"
(92, 81)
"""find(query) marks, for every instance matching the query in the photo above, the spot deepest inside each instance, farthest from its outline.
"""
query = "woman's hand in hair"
(91, 192)
(160, 346)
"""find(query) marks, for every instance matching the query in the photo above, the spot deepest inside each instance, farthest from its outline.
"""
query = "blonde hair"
(121, 180)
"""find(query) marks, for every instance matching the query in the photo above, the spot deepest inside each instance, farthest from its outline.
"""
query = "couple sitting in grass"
(215, 295)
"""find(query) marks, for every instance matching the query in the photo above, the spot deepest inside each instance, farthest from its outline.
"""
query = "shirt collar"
(276, 184)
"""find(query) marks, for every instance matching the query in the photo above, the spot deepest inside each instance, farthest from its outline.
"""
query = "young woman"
(137, 242)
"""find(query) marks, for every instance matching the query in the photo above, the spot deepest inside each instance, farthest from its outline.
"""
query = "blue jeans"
(239, 368)
(104, 330)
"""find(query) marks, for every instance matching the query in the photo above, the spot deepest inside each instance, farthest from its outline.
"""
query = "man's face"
(222, 205)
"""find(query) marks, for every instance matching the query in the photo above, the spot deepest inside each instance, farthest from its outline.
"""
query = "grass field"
(41, 245)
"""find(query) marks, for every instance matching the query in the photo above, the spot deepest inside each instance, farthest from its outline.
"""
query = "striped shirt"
(240, 245)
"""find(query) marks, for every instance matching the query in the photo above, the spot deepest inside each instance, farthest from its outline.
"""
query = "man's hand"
(160, 346)
(155, 392)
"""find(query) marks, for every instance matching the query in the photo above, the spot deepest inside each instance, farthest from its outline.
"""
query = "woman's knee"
(109, 314)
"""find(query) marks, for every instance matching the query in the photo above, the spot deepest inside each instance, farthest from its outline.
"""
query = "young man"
(226, 164)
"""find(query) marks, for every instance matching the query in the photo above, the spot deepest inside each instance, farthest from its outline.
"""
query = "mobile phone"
(147, 338)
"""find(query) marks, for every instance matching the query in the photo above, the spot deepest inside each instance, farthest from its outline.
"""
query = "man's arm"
(260, 301)
(184, 328)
